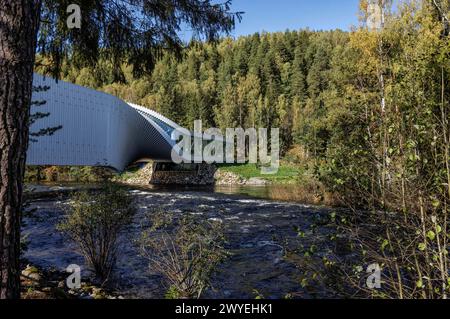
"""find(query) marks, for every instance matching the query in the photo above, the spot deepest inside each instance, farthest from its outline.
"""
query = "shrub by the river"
(94, 221)
(185, 251)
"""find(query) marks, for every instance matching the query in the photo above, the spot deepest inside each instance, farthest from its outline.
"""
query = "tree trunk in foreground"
(19, 21)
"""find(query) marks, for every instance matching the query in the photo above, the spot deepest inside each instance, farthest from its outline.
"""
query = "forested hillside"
(267, 80)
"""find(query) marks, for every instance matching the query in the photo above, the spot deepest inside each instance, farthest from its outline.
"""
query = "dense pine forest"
(264, 80)
(365, 112)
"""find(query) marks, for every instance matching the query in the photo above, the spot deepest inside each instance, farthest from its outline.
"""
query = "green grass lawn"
(287, 173)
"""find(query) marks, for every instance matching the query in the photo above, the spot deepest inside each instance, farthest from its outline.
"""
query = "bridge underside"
(98, 129)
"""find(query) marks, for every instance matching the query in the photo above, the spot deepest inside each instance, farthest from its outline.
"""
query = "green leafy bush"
(94, 221)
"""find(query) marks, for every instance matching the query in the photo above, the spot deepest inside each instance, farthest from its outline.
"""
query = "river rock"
(31, 273)
(61, 284)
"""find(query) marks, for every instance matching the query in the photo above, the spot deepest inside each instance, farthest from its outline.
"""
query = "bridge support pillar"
(182, 174)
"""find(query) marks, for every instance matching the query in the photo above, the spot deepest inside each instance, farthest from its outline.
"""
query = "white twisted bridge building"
(98, 129)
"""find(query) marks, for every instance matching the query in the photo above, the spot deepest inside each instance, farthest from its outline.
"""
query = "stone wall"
(200, 174)
(224, 178)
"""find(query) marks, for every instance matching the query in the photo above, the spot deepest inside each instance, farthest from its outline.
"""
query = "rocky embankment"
(51, 284)
(141, 177)
(224, 178)
(206, 175)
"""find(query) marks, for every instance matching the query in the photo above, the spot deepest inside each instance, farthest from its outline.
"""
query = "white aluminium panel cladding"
(98, 129)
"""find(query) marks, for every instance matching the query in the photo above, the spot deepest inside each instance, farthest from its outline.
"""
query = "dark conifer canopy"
(132, 31)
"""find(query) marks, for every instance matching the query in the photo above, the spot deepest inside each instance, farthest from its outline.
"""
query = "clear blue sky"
(279, 15)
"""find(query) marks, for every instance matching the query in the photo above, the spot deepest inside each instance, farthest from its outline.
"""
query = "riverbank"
(246, 174)
(291, 183)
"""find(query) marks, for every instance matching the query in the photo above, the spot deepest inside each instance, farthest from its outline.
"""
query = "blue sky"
(279, 15)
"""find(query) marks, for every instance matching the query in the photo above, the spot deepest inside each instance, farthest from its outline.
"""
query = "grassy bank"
(287, 173)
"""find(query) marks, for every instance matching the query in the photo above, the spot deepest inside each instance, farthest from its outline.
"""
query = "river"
(258, 229)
